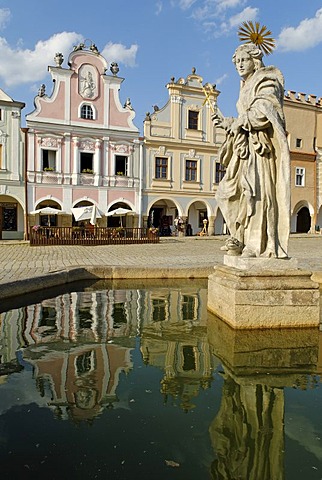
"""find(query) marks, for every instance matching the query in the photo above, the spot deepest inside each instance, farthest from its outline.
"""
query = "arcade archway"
(303, 221)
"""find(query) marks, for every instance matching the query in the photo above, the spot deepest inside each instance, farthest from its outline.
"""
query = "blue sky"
(154, 40)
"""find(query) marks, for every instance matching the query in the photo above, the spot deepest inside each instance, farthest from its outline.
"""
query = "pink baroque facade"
(83, 147)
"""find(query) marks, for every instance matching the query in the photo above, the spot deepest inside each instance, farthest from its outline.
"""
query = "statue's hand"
(217, 120)
(222, 122)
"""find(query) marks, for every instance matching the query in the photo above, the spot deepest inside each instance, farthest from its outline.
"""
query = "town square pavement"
(25, 268)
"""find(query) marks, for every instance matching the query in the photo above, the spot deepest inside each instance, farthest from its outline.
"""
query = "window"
(298, 143)
(193, 120)
(8, 212)
(188, 307)
(161, 167)
(86, 162)
(48, 317)
(300, 177)
(191, 170)
(48, 220)
(49, 160)
(189, 360)
(87, 112)
(85, 317)
(220, 172)
(119, 314)
(159, 309)
(121, 165)
(84, 363)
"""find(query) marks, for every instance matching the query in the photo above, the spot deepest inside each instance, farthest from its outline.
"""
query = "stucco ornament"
(254, 195)
(59, 58)
(87, 78)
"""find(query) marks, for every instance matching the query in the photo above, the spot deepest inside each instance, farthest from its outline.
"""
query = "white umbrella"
(90, 213)
(48, 211)
(118, 212)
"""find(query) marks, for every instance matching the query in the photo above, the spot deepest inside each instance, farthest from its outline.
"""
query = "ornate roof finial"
(259, 36)
(193, 70)
(114, 68)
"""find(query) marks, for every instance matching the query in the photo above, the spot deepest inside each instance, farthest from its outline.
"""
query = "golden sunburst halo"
(257, 34)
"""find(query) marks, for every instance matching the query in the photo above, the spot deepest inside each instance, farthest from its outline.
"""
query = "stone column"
(211, 225)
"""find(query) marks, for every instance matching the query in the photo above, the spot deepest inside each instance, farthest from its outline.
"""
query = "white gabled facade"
(83, 147)
(12, 188)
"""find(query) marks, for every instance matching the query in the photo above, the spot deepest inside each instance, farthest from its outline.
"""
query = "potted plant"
(87, 170)
(48, 169)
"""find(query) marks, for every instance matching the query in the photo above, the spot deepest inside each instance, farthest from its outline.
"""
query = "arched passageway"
(161, 215)
(303, 222)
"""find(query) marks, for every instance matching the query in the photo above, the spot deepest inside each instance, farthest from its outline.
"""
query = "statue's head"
(249, 53)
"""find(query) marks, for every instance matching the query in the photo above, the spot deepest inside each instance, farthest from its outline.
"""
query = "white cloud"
(306, 35)
(183, 4)
(249, 13)
(5, 16)
(116, 52)
(221, 79)
(158, 8)
(213, 15)
(225, 4)
(18, 65)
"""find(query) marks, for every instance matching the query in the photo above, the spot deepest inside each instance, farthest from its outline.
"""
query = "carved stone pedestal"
(263, 293)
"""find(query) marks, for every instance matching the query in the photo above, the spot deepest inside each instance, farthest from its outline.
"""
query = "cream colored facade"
(181, 159)
(171, 149)
(302, 116)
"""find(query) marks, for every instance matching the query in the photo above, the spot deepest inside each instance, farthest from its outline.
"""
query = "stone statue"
(88, 85)
(93, 48)
(42, 90)
(128, 104)
(254, 195)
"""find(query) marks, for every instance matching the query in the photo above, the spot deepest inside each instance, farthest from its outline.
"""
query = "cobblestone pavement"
(19, 261)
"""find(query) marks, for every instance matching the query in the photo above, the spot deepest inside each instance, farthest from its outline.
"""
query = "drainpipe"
(26, 223)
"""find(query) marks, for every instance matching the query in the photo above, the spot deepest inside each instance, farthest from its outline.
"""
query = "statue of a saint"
(88, 87)
(254, 195)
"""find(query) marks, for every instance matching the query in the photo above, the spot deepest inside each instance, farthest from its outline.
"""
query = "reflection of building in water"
(248, 431)
(77, 371)
(88, 316)
(174, 338)
(78, 380)
(173, 305)
(11, 339)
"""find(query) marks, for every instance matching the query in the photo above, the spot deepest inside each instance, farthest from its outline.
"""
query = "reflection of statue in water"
(254, 195)
(247, 433)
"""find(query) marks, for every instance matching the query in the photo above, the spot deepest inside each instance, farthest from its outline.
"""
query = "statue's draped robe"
(254, 195)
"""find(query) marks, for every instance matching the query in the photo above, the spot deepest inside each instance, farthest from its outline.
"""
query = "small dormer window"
(87, 112)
